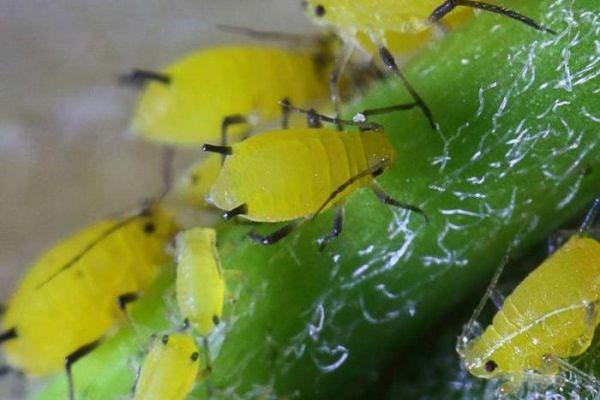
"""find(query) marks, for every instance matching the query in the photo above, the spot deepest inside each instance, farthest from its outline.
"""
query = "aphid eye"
(319, 10)
(194, 356)
(165, 339)
(149, 227)
(215, 319)
(490, 366)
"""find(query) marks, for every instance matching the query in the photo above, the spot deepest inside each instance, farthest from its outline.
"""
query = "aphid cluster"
(82, 286)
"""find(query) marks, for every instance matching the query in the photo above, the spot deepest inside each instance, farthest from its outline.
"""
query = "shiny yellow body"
(56, 310)
(400, 25)
(193, 186)
(211, 84)
(169, 370)
(554, 311)
(200, 287)
(282, 175)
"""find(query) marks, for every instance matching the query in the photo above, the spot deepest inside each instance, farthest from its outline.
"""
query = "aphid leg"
(168, 158)
(336, 73)
(224, 150)
(468, 328)
(390, 63)
(285, 112)
(314, 120)
(449, 5)
(123, 300)
(363, 115)
(208, 368)
(273, 237)
(8, 334)
(226, 123)
(338, 222)
(497, 298)
(387, 199)
(72, 359)
(589, 219)
(139, 77)
(574, 370)
(239, 210)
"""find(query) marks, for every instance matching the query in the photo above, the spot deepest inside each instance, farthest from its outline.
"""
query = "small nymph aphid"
(169, 370)
(551, 315)
(289, 174)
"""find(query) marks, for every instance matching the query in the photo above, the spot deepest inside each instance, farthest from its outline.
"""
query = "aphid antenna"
(363, 125)
(468, 327)
(590, 218)
(291, 38)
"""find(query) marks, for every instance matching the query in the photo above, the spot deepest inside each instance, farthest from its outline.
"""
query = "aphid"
(169, 370)
(196, 98)
(77, 290)
(284, 175)
(200, 288)
(355, 19)
(551, 315)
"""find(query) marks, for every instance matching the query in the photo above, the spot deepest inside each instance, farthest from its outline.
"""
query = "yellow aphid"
(169, 370)
(386, 23)
(376, 20)
(193, 186)
(71, 295)
(186, 103)
(283, 175)
(551, 315)
(200, 286)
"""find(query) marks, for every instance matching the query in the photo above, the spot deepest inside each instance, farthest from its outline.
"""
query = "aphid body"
(551, 314)
(200, 287)
(283, 175)
(70, 296)
(201, 89)
(169, 370)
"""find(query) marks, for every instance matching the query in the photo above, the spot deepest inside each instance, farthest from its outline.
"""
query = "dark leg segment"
(450, 5)
(239, 210)
(334, 76)
(224, 150)
(390, 63)
(72, 359)
(338, 222)
(126, 298)
(273, 237)
(8, 335)
(139, 77)
(589, 219)
(168, 157)
(385, 198)
(226, 123)
(285, 113)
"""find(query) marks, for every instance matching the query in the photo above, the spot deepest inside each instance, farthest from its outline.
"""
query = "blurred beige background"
(65, 161)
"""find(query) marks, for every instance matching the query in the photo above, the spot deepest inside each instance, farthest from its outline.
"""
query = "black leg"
(314, 120)
(139, 77)
(363, 115)
(450, 5)
(239, 210)
(224, 150)
(226, 123)
(338, 222)
(273, 237)
(390, 63)
(8, 334)
(72, 359)
(385, 198)
(285, 113)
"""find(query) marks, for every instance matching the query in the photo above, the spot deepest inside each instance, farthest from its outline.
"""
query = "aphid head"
(485, 360)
